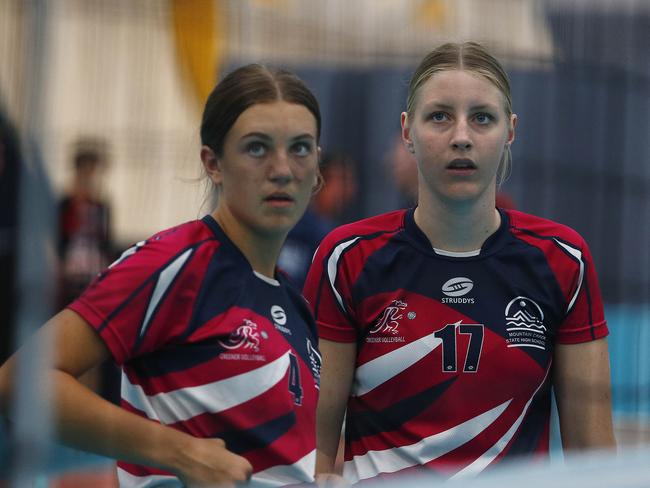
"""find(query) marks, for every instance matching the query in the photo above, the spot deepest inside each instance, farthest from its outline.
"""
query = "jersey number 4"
(449, 336)
(294, 379)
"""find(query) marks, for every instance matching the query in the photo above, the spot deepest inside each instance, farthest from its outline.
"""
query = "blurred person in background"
(84, 246)
(218, 351)
(333, 201)
(444, 327)
(328, 207)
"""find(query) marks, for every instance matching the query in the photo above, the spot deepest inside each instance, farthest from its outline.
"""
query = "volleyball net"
(135, 74)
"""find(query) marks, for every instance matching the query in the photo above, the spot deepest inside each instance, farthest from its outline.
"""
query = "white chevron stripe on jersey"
(370, 375)
(290, 474)
(164, 280)
(578, 255)
(128, 480)
(129, 252)
(483, 462)
(391, 460)
(185, 403)
(332, 267)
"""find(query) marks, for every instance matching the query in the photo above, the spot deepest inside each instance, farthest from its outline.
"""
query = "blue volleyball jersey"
(212, 348)
(454, 350)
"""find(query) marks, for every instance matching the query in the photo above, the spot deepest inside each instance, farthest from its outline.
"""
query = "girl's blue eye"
(439, 116)
(256, 149)
(301, 149)
(483, 118)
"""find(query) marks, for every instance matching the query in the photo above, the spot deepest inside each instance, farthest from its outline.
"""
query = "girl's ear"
(511, 129)
(320, 181)
(406, 132)
(211, 164)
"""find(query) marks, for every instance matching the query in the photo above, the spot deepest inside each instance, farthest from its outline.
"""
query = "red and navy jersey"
(212, 348)
(454, 350)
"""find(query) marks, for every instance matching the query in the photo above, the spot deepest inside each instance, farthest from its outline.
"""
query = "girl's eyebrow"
(444, 106)
(306, 135)
(438, 105)
(485, 106)
(267, 138)
(260, 135)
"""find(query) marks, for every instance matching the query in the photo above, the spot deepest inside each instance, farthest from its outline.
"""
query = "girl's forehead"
(459, 86)
(272, 116)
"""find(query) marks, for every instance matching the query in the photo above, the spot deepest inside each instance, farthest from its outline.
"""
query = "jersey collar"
(492, 244)
(223, 238)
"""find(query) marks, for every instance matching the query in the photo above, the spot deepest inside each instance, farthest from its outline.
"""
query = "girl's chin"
(465, 193)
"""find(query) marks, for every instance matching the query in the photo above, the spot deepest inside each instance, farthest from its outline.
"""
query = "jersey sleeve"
(328, 291)
(143, 300)
(585, 318)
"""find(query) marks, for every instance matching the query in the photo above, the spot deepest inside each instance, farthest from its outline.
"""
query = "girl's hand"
(209, 463)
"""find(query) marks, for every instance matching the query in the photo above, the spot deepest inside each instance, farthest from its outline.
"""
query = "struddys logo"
(245, 337)
(315, 362)
(455, 290)
(525, 324)
(279, 317)
(387, 326)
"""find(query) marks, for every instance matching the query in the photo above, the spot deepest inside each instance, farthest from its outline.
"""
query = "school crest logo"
(386, 329)
(525, 324)
(246, 336)
(389, 320)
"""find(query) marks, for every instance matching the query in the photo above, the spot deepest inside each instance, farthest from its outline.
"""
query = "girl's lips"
(461, 164)
(279, 200)
(462, 167)
(279, 196)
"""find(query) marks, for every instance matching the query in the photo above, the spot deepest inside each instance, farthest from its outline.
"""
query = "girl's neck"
(457, 226)
(260, 250)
